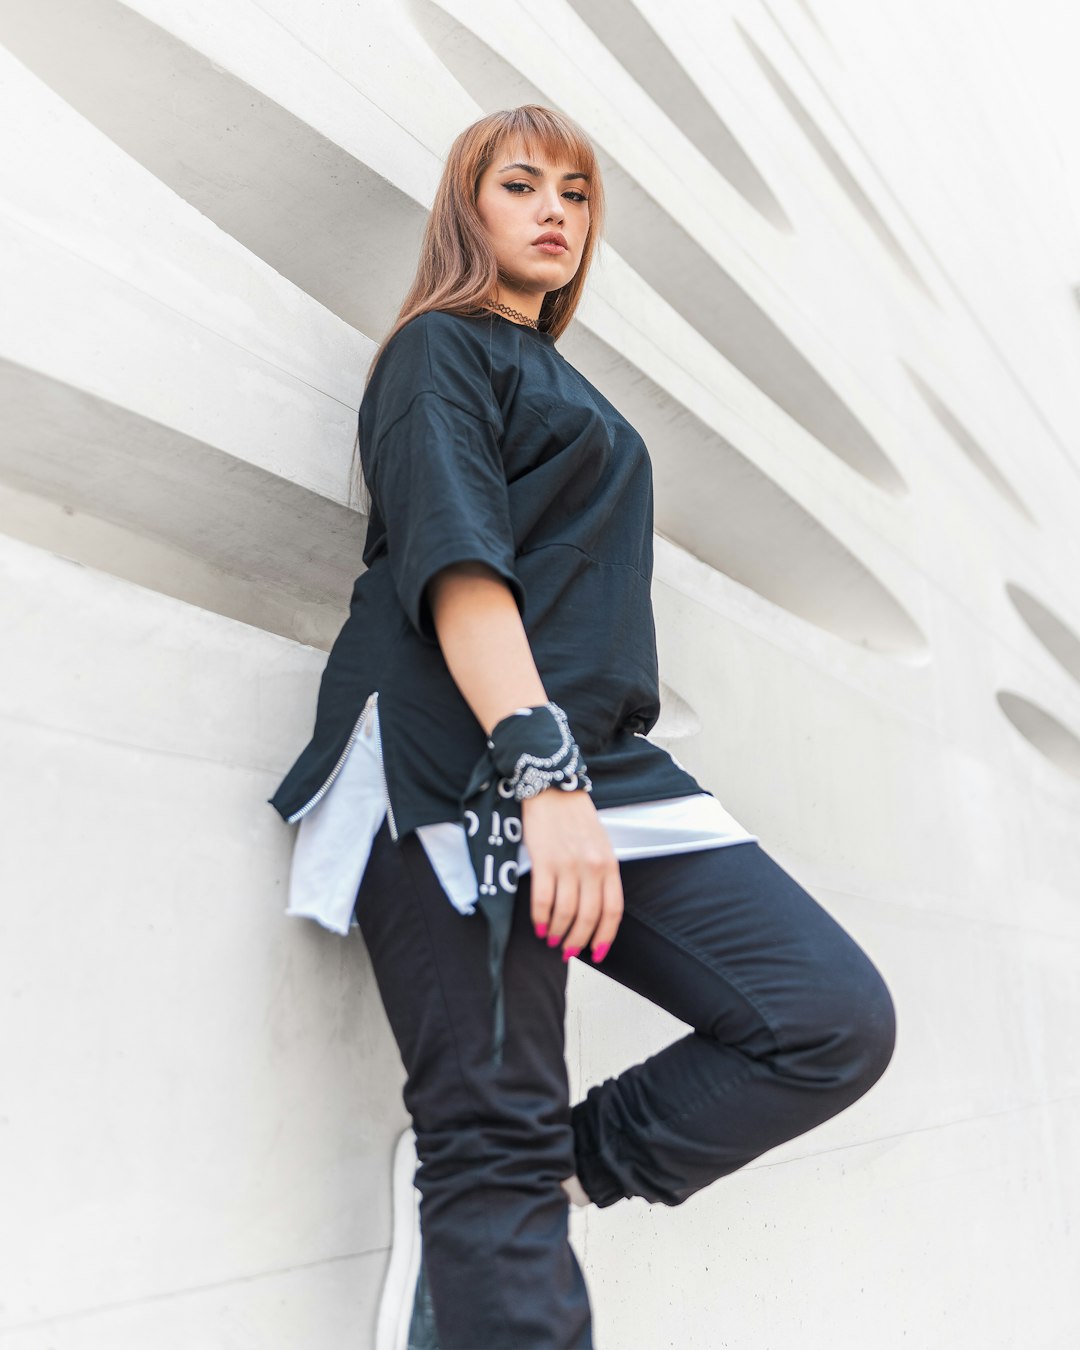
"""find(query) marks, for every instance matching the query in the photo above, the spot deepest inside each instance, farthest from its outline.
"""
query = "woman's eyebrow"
(539, 173)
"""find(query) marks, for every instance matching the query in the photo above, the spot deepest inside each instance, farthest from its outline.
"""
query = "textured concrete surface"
(837, 297)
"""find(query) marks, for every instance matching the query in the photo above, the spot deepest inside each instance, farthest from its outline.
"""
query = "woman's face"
(520, 199)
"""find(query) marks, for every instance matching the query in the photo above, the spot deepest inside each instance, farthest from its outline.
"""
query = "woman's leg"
(792, 1023)
(493, 1145)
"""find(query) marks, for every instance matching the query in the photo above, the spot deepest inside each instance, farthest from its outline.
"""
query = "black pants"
(791, 1023)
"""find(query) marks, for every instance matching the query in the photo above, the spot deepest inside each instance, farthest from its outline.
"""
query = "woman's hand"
(576, 888)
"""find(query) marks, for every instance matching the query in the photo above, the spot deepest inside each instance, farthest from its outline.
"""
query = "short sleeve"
(433, 462)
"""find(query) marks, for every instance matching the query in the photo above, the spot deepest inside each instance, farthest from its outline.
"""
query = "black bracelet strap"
(528, 751)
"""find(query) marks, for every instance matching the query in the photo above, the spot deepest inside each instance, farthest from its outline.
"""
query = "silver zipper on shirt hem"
(386, 790)
(337, 767)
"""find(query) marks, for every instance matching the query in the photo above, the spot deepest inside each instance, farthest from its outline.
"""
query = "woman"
(479, 750)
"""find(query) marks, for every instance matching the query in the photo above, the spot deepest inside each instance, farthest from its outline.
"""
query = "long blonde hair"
(457, 270)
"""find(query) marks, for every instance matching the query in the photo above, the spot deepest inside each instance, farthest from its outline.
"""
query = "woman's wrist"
(550, 795)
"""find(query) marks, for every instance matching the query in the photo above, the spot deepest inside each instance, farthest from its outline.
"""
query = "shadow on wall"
(845, 180)
(628, 36)
(960, 435)
(1052, 632)
(248, 164)
(1042, 730)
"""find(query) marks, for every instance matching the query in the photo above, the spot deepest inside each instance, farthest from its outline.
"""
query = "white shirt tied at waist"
(333, 840)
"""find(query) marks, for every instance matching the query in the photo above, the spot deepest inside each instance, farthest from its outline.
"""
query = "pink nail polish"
(554, 940)
(569, 952)
(600, 952)
(541, 929)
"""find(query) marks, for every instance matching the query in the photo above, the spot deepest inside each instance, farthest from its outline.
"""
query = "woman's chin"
(555, 270)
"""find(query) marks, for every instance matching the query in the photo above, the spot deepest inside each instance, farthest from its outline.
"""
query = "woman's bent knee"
(873, 1035)
(848, 1033)
(867, 1029)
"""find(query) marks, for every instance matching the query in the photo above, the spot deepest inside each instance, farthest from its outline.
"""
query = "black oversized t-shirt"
(480, 442)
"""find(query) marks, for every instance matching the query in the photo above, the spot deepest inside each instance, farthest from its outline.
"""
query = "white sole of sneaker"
(403, 1267)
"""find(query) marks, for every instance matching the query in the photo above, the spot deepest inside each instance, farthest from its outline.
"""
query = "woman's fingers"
(576, 890)
(610, 915)
(565, 907)
(593, 867)
(542, 897)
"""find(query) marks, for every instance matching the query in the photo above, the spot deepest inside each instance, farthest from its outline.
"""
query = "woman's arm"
(576, 887)
(483, 642)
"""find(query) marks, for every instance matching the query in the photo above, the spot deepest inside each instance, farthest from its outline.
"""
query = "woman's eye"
(578, 196)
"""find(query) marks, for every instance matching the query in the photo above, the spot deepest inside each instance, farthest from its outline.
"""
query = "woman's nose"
(553, 209)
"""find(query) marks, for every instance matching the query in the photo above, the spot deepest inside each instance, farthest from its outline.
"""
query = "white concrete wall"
(838, 298)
